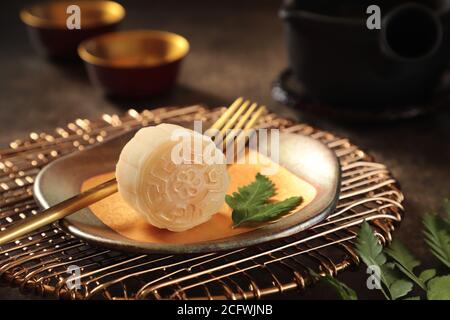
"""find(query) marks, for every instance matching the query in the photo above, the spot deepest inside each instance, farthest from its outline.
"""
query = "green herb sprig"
(399, 275)
(344, 292)
(251, 203)
(437, 235)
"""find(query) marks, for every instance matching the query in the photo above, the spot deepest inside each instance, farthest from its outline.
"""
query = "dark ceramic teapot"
(339, 60)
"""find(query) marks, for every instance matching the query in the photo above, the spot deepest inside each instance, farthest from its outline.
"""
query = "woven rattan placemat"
(39, 262)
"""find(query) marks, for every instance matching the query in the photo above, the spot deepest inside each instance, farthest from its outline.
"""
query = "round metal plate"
(306, 157)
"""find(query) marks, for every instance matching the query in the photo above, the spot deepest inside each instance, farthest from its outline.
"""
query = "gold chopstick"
(59, 211)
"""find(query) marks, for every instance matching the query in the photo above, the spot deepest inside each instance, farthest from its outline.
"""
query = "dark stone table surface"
(237, 49)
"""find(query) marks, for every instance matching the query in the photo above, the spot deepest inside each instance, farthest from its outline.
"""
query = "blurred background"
(238, 48)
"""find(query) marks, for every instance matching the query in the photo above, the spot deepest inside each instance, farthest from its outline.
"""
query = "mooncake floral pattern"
(179, 193)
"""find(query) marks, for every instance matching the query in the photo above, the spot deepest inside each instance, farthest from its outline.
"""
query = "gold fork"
(240, 115)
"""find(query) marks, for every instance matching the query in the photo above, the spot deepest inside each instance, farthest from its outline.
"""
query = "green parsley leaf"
(405, 261)
(397, 286)
(412, 298)
(253, 195)
(439, 288)
(447, 209)
(427, 274)
(437, 236)
(371, 253)
(266, 212)
(250, 204)
(368, 247)
(343, 291)
(370, 250)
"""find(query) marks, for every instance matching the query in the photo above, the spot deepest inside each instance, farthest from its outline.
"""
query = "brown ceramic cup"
(50, 34)
(135, 63)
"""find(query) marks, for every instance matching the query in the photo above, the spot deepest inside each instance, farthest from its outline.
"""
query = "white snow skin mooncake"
(172, 194)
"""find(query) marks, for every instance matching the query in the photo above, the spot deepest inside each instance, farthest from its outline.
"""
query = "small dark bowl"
(134, 64)
(49, 34)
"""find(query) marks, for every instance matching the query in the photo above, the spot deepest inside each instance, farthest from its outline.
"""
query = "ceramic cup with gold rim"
(134, 63)
(48, 30)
